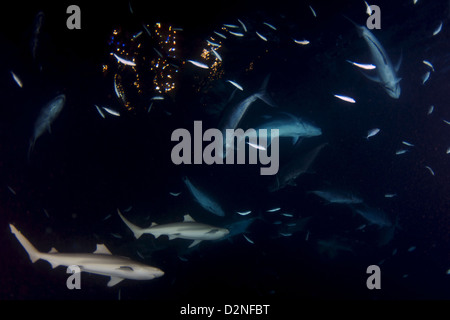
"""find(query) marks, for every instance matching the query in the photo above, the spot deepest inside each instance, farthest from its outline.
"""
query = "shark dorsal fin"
(188, 218)
(53, 250)
(153, 224)
(102, 249)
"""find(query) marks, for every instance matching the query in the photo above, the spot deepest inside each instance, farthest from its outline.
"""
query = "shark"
(47, 115)
(290, 126)
(386, 71)
(341, 197)
(101, 262)
(300, 164)
(204, 199)
(187, 229)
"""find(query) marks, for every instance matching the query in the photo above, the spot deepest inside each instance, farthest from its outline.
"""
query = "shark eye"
(125, 268)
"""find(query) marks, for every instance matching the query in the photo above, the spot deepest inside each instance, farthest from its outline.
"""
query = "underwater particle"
(411, 249)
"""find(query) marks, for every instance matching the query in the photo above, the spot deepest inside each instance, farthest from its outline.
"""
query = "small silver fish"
(243, 213)
(302, 42)
(111, 111)
(12, 190)
(248, 239)
(428, 63)
(438, 29)
(313, 12)
(429, 169)
(124, 61)
(430, 110)
(236, 84)
(231, 26)
(17, 79)
(216, 54)
(401, 151)
(237, 34)
(100, 111)
(220, 35)
(261, 36)
(198, 64)
(390, 195)
(372, 132)
(270, 26)
(363, 65)
(407, 144)
(345, 98)
(243, 25)
(274, 209)
(426, 77)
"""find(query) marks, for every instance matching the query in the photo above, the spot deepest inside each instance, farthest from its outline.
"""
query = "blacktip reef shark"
(100, 262)
(187, 229)
(387, 73)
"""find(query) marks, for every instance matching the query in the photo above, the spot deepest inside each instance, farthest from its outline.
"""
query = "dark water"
(89, 166)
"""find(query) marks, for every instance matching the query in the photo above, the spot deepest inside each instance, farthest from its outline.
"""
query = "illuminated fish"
(425, 77)
(345, 98)
(302, 42)
(269, 25)
(236, 84)
(428, 63)
(237, 34)
(125, 62)
(313, 12)
(261, 36)
(17, 79)
(198, 64)
(429, 169)
(362, 65)
(216, 54)
(100, 111)
(438, 29)
(111, 111)
(243, 25)
(220, 35)
(372, 132)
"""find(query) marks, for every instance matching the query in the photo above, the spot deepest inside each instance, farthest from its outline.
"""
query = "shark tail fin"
(137, 231)
(31, 147)
(262, 93)
(33, 253)
(358, 27)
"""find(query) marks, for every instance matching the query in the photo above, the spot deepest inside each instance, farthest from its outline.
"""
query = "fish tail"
(30, 148)
(262, 93)
(33, 253)
(358, 27)
(137, 231)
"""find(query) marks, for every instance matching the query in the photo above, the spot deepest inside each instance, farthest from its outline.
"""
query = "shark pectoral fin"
(113, 281)
(292, 183)
(399, 63)
(193, 244)
(372, 78)
(102, 249)
(172, 236)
